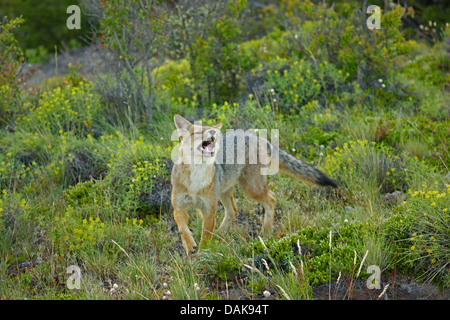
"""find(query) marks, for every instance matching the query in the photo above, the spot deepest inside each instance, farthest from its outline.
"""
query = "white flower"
(421, 27)
(380, 80)
(168, 293)
(266, 294)
(115, 286)
(345, 220)
(383, 85)
(321, 154)
(165, 285)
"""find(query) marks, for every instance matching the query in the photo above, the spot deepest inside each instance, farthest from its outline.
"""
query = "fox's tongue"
(209, 148)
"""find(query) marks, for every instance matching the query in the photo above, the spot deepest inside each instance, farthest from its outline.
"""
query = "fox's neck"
(200, 176)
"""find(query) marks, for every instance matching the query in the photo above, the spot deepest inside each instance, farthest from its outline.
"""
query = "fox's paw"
(190, 248)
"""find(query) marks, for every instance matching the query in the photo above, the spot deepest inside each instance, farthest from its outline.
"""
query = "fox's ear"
(181, 123)
(218, 126)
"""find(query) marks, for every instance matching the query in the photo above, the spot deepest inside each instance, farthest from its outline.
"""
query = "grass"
(81, 185)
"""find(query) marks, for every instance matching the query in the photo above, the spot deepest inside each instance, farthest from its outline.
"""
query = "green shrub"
(48, 28)
(429, 251)
(217, 61)
(315, 250)
(215, 265)
(65, 109)
(367, 164)
(295, 83)
(11, 58)
(74, 233)
(322, 34)
(132, 34)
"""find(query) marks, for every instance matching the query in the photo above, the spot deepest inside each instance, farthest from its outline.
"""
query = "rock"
(394, 198)
(349, 209)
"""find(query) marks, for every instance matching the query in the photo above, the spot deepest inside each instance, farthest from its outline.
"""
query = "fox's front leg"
(182, 219)
(209, 219)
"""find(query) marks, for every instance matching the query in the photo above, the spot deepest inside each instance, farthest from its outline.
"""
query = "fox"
(203, 175)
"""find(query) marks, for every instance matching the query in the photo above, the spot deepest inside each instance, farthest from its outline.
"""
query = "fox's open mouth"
(207, 147)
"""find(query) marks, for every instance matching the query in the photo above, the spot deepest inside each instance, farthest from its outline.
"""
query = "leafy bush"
(76, 234)
(366, 164)
(208, 33)
(11, 58)
(48, 28)
(65, 109)
(217, 61)
(315, 250)
(215, 265)
(131, 34)
(322, 34)
(294, 84)
(429, 251)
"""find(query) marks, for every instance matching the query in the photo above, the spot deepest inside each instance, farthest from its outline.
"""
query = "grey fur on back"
(240, 149)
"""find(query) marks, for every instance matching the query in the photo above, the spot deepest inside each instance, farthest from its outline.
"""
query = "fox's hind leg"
(227, 199)
(256, 186)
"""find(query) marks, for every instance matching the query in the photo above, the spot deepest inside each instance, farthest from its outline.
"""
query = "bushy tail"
(303, 171)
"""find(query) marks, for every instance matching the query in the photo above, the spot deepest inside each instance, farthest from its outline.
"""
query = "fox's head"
(199, 142)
